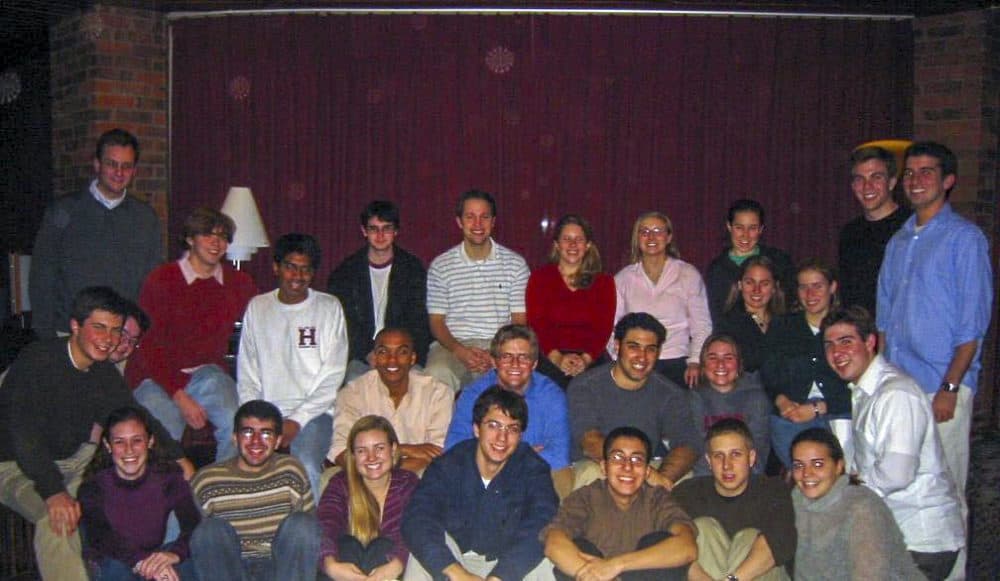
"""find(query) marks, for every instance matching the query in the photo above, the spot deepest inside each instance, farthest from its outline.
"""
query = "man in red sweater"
(179, 374)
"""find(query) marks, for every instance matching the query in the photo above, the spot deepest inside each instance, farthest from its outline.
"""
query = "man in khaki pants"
(52, 404)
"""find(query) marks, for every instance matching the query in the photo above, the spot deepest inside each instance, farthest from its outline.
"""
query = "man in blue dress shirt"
(934, 297)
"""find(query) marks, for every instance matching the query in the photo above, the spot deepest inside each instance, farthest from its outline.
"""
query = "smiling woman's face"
(373, 454)
(814, 470)
(721, 366)
(129, 444)
(744, 232)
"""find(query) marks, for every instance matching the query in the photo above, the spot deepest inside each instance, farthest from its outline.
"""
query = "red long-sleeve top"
(569, 320)
(191, 324)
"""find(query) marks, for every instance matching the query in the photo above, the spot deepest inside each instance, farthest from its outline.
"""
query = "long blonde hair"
(672, 250)
(364, 517)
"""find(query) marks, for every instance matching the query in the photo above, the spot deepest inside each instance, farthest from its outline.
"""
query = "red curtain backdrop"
(605, 116)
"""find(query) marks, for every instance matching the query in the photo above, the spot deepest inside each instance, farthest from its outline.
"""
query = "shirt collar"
(105, 201)
(492, 255)
(943, 214)
(868, 381)
(190, 275)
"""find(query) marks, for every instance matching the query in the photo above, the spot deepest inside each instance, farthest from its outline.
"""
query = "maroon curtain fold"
(605, 116)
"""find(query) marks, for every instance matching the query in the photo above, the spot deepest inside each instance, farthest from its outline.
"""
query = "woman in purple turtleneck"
(126, 497)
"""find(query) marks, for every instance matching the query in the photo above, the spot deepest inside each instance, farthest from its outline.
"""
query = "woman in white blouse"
(658, 282)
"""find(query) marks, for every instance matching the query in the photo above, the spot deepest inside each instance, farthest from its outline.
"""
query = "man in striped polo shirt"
(473, 289)
(258, 507)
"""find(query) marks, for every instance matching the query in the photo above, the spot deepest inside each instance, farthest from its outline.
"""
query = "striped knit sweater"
(255, 503)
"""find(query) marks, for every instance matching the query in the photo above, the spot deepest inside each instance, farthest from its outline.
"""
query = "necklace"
(761, 322)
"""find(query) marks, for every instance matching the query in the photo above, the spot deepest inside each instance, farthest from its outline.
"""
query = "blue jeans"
(215, 551)
(213, 389)
(113, 570)
(784, 431)
(311, 447)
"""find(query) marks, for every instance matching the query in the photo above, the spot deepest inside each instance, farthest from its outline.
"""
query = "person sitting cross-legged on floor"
(480, 506)
(746, 523)
(121, 542)
(362, 507)
(257, 507)
(621, 527)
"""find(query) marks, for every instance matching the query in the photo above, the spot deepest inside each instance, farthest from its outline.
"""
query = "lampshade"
(250, 234)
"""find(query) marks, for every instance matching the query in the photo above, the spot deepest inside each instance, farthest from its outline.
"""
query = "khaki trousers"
(59, 556)
(719, 555)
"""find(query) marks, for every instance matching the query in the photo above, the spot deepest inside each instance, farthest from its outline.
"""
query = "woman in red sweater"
(571, 303)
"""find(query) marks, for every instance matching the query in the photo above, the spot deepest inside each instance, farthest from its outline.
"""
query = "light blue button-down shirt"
(548, 417)
(935, 292)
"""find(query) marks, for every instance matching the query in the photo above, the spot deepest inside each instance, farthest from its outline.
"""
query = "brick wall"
(109, 69)
(956, 72)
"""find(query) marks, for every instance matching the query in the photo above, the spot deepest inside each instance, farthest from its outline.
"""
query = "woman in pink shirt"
(658, 282)
(571, 303)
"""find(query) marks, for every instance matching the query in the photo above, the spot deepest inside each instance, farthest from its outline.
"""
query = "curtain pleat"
(604, 116)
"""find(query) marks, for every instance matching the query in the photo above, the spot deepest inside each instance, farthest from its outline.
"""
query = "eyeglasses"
(495, 426)
(518, 358)
(297, 268)
(115, 165)
(247, 434)
(130, 340)
(647, 232)
(620, 459)
(384, 229)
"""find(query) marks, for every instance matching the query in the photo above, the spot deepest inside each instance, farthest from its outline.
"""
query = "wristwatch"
(948, 387)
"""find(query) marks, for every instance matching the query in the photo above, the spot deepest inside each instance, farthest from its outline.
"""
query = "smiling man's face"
(394, 355)
(515, 364)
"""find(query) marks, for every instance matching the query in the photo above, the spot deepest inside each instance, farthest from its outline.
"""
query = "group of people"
(381, 430)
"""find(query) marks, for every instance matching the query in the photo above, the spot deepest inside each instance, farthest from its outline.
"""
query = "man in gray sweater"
(629, 392)
(99, 237)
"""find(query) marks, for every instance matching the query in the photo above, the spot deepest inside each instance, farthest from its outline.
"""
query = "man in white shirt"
(293, 352)
(473, 289)
(897, 450)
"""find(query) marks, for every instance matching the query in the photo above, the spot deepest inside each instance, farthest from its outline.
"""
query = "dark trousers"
(674, 574)
(350, 550)
(935, 566)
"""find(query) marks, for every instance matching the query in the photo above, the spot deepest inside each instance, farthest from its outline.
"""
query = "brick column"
(956, 73)
(109, 69)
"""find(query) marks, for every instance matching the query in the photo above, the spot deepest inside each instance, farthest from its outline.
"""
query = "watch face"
(949, 387)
